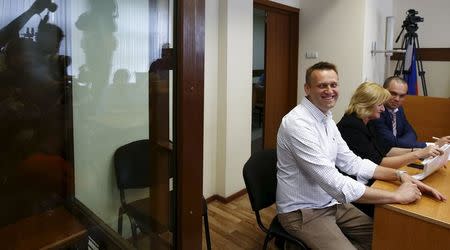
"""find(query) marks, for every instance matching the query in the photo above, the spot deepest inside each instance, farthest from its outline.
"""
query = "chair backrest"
(132, 165)
(260, 177)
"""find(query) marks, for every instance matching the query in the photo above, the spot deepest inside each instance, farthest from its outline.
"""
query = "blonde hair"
(366, 96)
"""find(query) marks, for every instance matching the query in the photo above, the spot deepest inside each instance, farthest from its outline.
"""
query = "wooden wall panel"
(429, 116)
(428, 54)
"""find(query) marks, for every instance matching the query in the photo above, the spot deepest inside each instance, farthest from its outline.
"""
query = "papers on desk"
(431, 165)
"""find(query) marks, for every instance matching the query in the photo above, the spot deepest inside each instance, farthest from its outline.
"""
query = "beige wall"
(235, 72)
(335, 29)
(211, 98)
(376, 12)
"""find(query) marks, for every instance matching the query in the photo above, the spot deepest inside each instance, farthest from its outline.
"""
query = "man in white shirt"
(313, 196)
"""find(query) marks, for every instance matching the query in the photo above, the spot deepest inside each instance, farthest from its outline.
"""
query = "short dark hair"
(319, 66)
(393, 78)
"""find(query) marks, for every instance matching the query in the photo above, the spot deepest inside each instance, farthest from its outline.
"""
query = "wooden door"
(281, 70)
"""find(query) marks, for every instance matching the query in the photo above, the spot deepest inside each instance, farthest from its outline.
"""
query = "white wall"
(335, 29)
(433, 33)
(375, 32)
(235, 72)
(210, 122)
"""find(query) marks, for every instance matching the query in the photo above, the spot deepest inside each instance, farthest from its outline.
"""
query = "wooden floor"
(233, 225)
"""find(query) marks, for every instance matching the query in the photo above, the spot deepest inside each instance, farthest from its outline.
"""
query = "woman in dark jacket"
(356, 129)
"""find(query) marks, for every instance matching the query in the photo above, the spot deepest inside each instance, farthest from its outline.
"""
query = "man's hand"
(40, 5)
(432, 150)
(407, 193)
(422, 187)
(443, 140)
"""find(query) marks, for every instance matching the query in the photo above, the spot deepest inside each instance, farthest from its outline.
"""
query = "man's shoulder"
(297, 119)
(299, 115)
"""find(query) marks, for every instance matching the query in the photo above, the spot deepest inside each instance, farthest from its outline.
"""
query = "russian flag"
(410, 73)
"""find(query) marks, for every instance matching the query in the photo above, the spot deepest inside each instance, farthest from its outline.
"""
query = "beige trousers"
(341, 226)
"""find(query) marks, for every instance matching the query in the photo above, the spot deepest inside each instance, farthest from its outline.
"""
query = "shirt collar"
(393, 111)
(316, 112)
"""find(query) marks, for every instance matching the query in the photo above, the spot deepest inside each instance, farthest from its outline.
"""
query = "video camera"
(411, 20)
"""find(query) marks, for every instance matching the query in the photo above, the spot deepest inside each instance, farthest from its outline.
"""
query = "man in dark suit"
(393, 127)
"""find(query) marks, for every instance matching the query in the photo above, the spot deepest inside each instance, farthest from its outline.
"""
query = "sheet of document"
(433, 164)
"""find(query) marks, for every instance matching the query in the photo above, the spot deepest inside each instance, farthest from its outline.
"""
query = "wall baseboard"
(228, 199)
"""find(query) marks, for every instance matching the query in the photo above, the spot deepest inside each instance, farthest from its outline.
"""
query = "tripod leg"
(400, 65)
(420, 70)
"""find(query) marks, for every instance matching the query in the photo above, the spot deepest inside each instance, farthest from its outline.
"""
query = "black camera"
(411, 20)
(411, 16)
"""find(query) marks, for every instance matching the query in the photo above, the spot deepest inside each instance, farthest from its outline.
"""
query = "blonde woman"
(356, 129)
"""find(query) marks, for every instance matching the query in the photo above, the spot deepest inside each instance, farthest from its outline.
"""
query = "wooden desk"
(424, 224)
(53, 229)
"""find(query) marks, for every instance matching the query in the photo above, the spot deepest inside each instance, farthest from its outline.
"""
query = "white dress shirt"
(310, 150)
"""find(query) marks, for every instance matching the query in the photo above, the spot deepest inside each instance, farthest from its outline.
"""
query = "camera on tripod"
(407, 65)
(411, 20)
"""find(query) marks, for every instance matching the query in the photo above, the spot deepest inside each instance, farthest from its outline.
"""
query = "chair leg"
(205, 221)
(266, 241)
(134, 231)
(119, 221)
(280, 242)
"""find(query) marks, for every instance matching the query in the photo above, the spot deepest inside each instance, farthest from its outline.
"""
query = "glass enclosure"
(86, 110)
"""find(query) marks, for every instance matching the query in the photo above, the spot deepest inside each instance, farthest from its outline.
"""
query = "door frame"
(190, 37)
(293, 14)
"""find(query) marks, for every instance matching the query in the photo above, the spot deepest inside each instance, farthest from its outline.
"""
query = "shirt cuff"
(366, 171)
(354, 191)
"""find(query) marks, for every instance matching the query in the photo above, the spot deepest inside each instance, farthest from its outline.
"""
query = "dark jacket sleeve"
(383, 128)
(358, 138)
(406, 136)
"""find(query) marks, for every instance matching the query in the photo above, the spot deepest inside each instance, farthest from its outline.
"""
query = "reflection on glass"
(85, 94)
(34, 167)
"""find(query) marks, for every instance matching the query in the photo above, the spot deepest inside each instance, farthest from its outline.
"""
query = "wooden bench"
(429, 116)
(53, 229)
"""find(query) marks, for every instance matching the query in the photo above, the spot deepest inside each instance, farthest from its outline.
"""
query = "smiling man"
(313, 196)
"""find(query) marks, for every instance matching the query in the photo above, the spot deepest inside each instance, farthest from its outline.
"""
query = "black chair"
(260, 177)
(132, 166)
